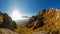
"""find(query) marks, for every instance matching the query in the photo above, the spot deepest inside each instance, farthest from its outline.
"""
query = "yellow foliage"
(24, 30)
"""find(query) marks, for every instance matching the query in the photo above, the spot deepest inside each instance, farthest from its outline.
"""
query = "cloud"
(25, 17)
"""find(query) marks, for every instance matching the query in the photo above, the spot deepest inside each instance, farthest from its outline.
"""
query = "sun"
(16, 15)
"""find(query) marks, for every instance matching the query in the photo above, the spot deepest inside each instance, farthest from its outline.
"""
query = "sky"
(27, 7)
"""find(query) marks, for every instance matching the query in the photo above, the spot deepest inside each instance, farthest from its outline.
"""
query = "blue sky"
(27, 7)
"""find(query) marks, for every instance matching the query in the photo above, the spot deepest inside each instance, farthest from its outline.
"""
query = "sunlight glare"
(16, 15)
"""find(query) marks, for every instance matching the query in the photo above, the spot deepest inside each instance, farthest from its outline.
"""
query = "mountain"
(6, 21)
(46, 20)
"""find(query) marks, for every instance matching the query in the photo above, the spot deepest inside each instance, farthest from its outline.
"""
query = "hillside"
(46, 20)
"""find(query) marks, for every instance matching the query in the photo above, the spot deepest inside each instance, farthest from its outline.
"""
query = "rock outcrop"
(6, 21)
(7, 31)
